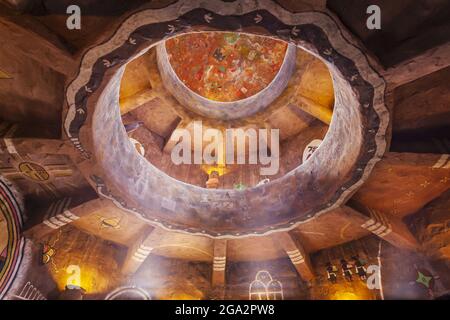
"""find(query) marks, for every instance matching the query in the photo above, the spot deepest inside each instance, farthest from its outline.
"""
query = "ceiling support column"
(387, 227)
(299, 258)
(219, 265)
(18, 31)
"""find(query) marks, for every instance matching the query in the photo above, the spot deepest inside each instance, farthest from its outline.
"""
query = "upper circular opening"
(225, 66)
(225, 75)
(294, 124)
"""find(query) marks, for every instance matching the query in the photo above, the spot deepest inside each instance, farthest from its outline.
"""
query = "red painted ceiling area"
(226, 66)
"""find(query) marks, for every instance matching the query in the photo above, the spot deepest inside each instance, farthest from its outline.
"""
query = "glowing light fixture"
(345, 295)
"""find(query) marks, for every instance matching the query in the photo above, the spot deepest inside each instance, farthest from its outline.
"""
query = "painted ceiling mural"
(227, 66)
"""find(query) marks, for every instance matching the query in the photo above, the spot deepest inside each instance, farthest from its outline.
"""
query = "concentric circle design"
(11, 210)
(331, 175)
(128, 293)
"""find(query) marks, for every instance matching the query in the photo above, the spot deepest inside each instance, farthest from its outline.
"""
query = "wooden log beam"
(432, 227)
(60, 213)
(136, 88)
(297, 254)
(18, 5)
(430, 61)
(314, 109)
(137, 100)
(403, 183)
(173, 139)
(33, 39)
(138, 252)
(26, 130)
(387, 227)
(25, 139)
(422, 108)
(157, 85)
(303, 5)
(219, 263)
(34, 146)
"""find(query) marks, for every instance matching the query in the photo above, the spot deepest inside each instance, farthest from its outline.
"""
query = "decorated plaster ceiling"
(225, 67)
(231, 75)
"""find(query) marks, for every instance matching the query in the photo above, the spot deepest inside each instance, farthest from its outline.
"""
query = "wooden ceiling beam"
(303, 5)
(25, 130)
(219, 263)
(156, 83)
(297, 254)
(137, 100)
(418, 67)
(60, 213)
(403, 183)
(432, 227)
(314, 109)
(172, 140)
(218, 280)
(16, 4)
(387, 227)
(34, 146)
(36, 41)
(18, 138)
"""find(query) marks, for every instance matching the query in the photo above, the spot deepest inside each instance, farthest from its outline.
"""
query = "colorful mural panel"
(225, 67)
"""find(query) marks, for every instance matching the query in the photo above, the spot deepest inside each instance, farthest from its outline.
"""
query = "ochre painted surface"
(3, 237)
(402, 183)
(96, 259)
(225, 66)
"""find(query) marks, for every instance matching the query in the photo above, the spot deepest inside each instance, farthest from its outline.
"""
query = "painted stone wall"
(264, 280)
(33, 281)
(403, 274)
(174, 279)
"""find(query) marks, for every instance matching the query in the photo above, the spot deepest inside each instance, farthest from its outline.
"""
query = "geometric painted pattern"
(295, 256)
(58, 214)
(29, 292)
(378, 224)
(219, 263)
(11, 209)
(142, 253)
